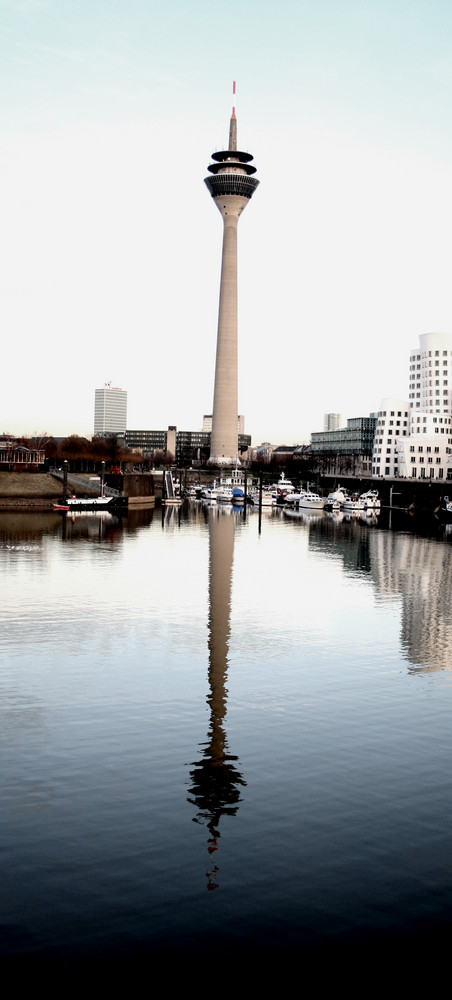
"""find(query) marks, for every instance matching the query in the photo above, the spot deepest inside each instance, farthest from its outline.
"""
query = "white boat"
(90, 503)
(209, 493)
(268, 498)
(336, 499)
(366, 503)
(371, 500)
(306, 500)
(353, 504)
(230, 494)
(224, 494)
(283, 487)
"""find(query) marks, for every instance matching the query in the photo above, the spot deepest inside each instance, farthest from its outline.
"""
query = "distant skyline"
(110, 265)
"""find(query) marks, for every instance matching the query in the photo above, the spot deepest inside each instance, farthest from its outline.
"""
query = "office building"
(231, 186)
(345, 449)
(183, 446)
(110, 410)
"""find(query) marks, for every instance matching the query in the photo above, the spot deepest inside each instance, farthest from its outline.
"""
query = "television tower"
(231, 187)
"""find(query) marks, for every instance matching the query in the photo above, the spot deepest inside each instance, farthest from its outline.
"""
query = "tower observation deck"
(231, 185)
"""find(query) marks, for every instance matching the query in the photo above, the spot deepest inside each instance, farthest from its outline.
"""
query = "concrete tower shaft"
(231, 186)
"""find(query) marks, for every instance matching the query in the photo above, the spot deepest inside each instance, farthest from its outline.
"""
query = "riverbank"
(28, 491)
(38, 491)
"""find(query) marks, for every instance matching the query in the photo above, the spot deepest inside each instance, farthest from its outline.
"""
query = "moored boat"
(371, 500)
(306, 500)
(336, 499)
(91, 503)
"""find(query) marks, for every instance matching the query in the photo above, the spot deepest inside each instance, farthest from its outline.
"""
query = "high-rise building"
(110, 410)
(332, 421)
(231, 186)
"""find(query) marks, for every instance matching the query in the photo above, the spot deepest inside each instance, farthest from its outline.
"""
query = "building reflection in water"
(419, 571)
(215, 779)
(415, 571)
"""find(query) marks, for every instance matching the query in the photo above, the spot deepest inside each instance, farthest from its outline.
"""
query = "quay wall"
(422, 494)
(38, 491)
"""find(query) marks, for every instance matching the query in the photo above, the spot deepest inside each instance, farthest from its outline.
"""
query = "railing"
(84, 484)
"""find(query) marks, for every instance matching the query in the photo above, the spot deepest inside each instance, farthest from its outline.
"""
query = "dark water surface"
(217, 742)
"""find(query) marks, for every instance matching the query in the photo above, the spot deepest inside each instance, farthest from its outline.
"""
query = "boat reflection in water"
(215, 780)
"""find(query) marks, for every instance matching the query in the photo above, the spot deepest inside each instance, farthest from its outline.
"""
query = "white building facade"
(332, 421)
(427, 452)
(422, 447)
(430, 374)
(393, 424)
(110, 410)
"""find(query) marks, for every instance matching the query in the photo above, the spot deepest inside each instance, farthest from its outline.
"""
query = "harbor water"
(219, 740)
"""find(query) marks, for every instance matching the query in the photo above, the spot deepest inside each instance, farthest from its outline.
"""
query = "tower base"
(222, 462)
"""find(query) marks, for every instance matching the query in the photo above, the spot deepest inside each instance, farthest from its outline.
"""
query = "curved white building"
(430, 374)
(421, 448)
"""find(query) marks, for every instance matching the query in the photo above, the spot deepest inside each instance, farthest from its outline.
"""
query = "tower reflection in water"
(215, 780)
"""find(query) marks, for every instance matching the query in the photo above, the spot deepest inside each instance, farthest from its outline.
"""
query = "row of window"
(428, 354)
(383, 413)
(431, 473)
(420, 448)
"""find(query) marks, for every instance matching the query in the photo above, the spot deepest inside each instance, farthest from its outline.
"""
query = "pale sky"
(111, 243)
